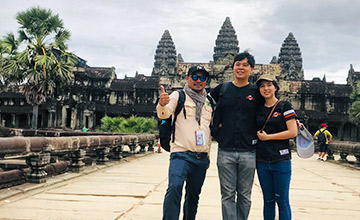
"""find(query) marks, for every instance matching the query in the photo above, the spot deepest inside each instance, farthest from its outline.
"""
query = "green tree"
(44, 64)
(128, 125)
(355, 107)
(8, 49)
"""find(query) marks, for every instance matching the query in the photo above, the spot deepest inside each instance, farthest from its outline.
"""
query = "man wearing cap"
(324, 137)
(189, 152)
(234, 120)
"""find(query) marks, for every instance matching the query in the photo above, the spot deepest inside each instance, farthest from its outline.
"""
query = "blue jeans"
(236, 174)
(190, 168)
(275, 184)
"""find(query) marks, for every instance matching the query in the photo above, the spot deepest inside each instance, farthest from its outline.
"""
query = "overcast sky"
(125, 33)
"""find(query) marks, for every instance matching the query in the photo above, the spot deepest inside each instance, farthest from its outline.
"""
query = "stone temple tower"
(165, 57)
(226, 42)
(290, 59)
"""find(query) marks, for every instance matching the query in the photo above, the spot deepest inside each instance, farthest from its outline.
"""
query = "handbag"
(304, 143)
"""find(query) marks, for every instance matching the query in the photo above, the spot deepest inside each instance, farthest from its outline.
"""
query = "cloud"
(125, 34)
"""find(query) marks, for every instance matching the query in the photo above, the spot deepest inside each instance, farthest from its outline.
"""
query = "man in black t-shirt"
(234, 121)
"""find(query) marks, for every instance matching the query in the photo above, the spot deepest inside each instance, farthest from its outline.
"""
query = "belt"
(236, 150)
(197, 155)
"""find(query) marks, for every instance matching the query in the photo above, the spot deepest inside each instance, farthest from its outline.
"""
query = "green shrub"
(128, 125)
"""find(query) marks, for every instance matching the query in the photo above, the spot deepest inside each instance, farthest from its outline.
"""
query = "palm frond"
(9, 43)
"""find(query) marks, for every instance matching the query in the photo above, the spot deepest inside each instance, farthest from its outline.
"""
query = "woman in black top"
(273, 155)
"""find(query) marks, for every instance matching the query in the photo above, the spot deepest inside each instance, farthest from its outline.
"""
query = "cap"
(323, 125)
(195, 69)
(267, 77)
(304, 143)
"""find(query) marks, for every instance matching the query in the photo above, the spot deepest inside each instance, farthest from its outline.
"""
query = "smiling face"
(198, 85)
(242, 69)
(267, 89)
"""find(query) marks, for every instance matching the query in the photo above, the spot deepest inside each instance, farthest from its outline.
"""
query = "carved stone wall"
(94, 93)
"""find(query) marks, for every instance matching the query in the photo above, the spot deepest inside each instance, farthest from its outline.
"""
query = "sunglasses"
(196, 77)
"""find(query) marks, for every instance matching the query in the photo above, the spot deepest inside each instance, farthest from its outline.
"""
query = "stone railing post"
(76, 163)
(37, 162)
(357, 161)
(330, 155)
(343, 156)
(117, 148)
(142, 147)
(101, 153)
(151, 146)
(132, 148)
(116, 153)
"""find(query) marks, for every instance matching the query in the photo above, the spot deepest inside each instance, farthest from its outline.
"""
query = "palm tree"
(44, 64)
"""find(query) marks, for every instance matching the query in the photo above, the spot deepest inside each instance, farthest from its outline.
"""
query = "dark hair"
(243, 55)
(273, 82)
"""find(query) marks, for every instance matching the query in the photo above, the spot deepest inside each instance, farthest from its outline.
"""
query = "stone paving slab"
(135, 189)
(50, 214)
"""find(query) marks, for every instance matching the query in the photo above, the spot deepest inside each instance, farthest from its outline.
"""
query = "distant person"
(190, 150)
(323, 137)
(235, 131)
(159, 146)
(276, 124)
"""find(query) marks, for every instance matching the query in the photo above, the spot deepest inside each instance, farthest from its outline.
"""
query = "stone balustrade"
(344, 149)
(34, 154)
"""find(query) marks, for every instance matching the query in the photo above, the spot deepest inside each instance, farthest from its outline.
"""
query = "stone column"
(13, 120)
(50, 120)
(63, 116)
(342, 127)
(28, 118)
(73, 118)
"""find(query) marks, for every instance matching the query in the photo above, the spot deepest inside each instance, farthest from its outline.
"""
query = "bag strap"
(223, 89)
(272, 110)
(179, 106)
(212, 102)
(217, 104)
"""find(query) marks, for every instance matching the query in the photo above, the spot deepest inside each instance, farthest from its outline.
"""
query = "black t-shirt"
(237, 116)
(274, 150)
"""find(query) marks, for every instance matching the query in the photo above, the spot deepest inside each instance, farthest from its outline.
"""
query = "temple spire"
(226, 41)
(290, 59)
(165, 56)
(274, 60)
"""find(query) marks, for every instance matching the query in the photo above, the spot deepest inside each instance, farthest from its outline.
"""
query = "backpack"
(215, 125)
(321, 137)
(167, 126)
